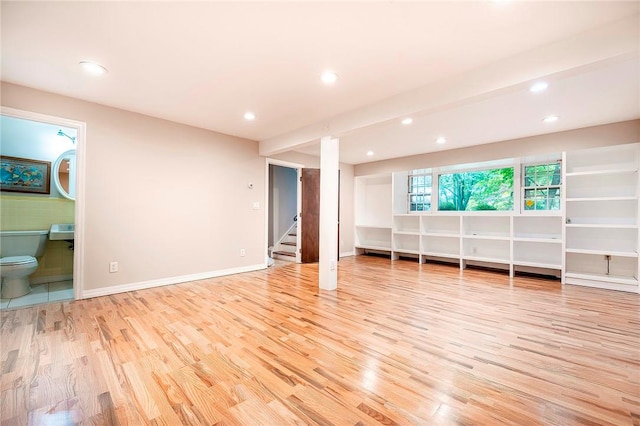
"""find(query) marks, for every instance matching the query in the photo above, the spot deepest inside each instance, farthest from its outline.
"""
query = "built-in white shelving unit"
(373, 213)
(593, 240)
(537, 241)
(601, 226)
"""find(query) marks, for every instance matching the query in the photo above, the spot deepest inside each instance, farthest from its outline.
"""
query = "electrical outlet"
(256, 205)
(113, 267)
(242, 252)
(332, 265)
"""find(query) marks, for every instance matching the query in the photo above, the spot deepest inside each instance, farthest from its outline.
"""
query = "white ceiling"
(460, 69)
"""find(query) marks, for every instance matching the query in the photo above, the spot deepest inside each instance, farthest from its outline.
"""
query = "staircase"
(286, 248)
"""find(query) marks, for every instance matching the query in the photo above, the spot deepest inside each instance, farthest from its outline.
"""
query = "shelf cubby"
(406, 243)
(406, 223)
(441, 246)
(486, 250)
(440, 224)
(528, 227)
(537, 254)
(374, 238)
(487, 226)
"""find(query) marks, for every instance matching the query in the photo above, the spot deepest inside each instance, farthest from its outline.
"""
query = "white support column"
(329, 161)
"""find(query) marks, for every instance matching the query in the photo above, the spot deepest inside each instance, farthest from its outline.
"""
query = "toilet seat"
(16, 260)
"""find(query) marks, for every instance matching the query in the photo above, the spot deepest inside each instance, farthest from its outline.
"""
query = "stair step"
(288, 243)
(285, 253)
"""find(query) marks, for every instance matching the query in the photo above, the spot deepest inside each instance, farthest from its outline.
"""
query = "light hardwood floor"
(398, 343)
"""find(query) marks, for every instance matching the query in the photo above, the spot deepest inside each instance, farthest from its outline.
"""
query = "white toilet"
(18, 251)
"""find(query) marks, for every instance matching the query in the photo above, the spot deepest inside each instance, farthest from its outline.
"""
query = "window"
(490, 189)
(419, 197)
(541, 186)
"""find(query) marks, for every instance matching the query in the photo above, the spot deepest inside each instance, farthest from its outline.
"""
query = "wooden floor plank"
(397, 343)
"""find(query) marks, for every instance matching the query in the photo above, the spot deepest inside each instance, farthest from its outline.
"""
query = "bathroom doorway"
(44, 139)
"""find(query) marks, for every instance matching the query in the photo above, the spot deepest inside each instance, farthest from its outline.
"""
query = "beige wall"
(162, 199)
(609, 134)
(347, 226)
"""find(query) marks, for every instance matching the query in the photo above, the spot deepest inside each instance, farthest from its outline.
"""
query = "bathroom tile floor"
(41, 293)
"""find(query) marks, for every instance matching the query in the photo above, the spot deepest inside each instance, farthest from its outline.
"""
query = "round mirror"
(64, 174)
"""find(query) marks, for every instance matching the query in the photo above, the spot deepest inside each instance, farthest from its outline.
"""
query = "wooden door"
(310, 218)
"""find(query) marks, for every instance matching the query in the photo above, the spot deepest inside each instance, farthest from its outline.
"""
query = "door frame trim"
(79, 207)
(298, 167)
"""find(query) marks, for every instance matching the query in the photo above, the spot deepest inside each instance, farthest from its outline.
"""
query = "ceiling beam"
(616, 40)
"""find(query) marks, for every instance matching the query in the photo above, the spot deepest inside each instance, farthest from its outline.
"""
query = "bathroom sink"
(62, 231)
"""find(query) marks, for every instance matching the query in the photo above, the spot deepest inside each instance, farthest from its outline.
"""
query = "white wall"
(283, 197)
(162, 199)
(608, 134)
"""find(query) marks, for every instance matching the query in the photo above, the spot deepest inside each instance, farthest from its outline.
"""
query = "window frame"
(421, 173)
(514, 195)
(524, 188)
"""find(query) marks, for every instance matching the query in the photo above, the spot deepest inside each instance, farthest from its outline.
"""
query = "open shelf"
(534, 252)
(486, 250)
(406, 224)
(610, 158)
(538, 228)
(406, 243)
(440, 224)
(487, 226)
(374, 238)
(441, 245)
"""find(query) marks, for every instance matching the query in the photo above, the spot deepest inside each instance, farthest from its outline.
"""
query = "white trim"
(81, 128)
(105, 291)
(347, 254)
(51, 279)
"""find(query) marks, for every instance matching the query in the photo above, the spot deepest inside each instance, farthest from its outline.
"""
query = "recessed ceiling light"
(540, 86)
(249, 116)
(93, 67)
(369, 153)
(407, 121)
(441, 140)
(329, 77)
(550, 118)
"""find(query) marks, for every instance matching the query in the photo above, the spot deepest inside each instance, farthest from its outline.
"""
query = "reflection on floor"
(41, 293)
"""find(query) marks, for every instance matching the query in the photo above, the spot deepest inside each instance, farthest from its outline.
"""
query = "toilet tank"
(22, 243)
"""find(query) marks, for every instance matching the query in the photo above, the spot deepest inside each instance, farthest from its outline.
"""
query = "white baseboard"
(347, 254)
(51, 279)
(106, 291)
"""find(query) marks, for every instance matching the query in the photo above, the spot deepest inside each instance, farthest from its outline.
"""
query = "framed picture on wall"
(24, 175)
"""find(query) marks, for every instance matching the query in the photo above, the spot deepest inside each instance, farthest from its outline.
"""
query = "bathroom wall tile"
(21, 212)
(4, 303)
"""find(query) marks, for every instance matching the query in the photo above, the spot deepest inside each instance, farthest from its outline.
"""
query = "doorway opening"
(57, 146)
(283, 207)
